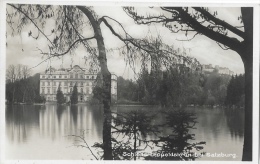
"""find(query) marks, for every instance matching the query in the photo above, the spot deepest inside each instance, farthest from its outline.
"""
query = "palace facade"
(67, 78)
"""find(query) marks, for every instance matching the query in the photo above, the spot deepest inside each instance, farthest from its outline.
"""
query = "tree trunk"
(246, 54)
(107, 116)
(106, 76)
(248, 64)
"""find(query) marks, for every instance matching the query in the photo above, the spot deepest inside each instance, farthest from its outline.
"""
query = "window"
(81, 76)
(71, 76)
(43, 83)
(81, 83)
(43, 91)
(81, 90)
(54, 91)
(87, 90)
(60, 76)
(70, 90)
(87, 83)
(65, 83)
(92, 77)
(48, 90)
(60, 83)
(54, 83)
(43, 77)
(87, 77)
(70, 83)
(49, 76)
(76, 76)
(65, 77)
(54, 77)
(48, 83)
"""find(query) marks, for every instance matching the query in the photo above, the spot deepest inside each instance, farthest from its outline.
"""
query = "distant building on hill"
(207, 68)
(220, 70)
(67, 78)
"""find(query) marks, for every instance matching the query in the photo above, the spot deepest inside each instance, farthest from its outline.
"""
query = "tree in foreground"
(74, 95)
(135, 126)
(60, 97)
(202, 21)
(178, 144)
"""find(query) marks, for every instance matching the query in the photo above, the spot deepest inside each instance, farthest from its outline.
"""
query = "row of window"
(65, 83)
(70, 76)
(54, 91)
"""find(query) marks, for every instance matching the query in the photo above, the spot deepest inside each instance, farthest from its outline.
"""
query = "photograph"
(90, 81)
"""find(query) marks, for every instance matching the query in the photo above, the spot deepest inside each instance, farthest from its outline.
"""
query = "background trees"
(173, 88)
(22, 88)
(17, 72)
(236, 91)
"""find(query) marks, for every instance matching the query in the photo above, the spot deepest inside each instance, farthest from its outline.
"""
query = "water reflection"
(56, 122)
(19, 119)
(30, 128)
(235, 122)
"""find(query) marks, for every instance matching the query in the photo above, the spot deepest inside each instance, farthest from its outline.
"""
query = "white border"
(218, 3)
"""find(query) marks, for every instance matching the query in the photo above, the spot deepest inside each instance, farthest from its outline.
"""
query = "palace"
(67, 78)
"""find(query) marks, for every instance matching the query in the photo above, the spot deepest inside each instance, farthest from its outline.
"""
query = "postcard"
(129, 81)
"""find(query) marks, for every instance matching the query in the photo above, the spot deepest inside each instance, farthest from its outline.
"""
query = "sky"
(22, 49)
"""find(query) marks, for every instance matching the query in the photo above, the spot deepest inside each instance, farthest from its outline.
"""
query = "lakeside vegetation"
(177, 88)
(164, 88)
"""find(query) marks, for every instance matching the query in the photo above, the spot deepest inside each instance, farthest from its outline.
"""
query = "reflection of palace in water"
(70, 120)
(52, 122)
(51, 79)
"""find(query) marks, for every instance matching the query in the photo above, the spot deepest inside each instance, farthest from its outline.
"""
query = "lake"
(43, 132)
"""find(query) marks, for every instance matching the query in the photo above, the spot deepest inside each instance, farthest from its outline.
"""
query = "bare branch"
(233, 43)
(20, 10)
(70, 47)
(83, 139)
(220, 22)
(188, 39)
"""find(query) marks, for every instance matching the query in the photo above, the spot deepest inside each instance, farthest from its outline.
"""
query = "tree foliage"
(175, 88)
(135, 126)
(74, 95)
(60, 97)
(23, 90)
(177, 145)
(235, 91)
